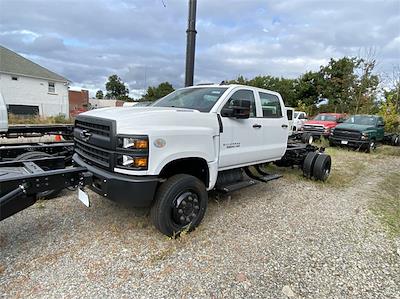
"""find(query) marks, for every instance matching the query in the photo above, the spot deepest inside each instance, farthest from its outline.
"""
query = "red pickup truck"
(321, 125)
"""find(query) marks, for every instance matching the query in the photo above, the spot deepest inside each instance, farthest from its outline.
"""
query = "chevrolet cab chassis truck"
(169, 155)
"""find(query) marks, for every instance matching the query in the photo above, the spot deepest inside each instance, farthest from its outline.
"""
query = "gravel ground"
(288, 238)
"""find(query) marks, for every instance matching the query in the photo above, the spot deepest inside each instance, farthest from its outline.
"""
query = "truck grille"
(312, 128)
(95, 140)
(95, 128)
(93, 154)
(346, 134)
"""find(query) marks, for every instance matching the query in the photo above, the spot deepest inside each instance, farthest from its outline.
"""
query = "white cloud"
(144, 42)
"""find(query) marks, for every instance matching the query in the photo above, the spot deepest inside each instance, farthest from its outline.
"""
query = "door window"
(271, 106)
(243, 95)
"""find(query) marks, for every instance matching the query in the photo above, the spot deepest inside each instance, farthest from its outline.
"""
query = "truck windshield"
(201, 98)
(325, 117)
(368, 120)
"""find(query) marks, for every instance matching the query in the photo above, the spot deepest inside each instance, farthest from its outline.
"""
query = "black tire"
(322, 167)
(307, 138)
(180, 204)
(371, 146)
(395, 140)
(308, 164)
(37, 155)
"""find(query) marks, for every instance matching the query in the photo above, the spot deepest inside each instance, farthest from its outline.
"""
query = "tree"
(308, 90)
(99, 94)
(155, 93)
(388, 111)
(116, 89)
(339, 83)
(393, 81)
(286, 87)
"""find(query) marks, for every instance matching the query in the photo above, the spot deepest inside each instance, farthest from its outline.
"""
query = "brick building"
(78, 101)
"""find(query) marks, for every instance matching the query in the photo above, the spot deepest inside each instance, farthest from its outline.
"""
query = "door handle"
(284, 126)
(257, 126)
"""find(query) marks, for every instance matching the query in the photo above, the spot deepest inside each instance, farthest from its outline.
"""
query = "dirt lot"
(288, 238)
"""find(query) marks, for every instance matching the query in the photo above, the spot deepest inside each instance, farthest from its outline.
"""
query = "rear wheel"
(395, 140)
(307, 138)
(37, 155)
(180, 204)
(322, 167)
(308, 164)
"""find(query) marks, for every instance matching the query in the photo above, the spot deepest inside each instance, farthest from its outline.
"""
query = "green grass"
(387, 204)
(387, 150)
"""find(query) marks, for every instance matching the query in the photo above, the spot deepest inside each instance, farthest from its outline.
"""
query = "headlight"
(128, 161)
(132, 152)
(364, 135)
(136, 142)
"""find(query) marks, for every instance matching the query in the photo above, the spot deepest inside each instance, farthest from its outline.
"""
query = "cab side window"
(243, 95)
(271, 106)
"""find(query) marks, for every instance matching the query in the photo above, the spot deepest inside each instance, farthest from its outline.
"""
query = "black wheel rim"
(326, 172)
(372, 145)
(186, 208)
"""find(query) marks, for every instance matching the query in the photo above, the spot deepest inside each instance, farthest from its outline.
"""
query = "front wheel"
(180, 204)
(371, 146)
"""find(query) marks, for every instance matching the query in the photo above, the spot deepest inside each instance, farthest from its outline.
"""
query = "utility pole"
(190, 43)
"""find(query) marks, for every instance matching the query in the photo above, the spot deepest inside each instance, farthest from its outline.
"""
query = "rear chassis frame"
(22, 181)
(9, 152)
(14, 131)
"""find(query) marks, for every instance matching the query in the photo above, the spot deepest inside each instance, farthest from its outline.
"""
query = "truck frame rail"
(22, 181)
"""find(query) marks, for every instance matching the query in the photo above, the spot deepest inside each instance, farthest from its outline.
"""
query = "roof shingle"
(13, 63)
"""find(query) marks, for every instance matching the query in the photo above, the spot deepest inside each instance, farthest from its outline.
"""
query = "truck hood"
(144, 120)
(355, 127)
(326, 124)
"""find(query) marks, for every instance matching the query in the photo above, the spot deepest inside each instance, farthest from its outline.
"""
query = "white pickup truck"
(194, 140)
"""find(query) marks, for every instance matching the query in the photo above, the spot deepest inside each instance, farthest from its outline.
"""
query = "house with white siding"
(29, 88)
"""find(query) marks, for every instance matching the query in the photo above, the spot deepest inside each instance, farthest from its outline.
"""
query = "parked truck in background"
(299, 120)
(361, 132)
(321, 125)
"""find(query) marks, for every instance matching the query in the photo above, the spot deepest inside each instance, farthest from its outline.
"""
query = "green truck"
(361, 132)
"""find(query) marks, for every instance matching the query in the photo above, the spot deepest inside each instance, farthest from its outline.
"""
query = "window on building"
(271, 105)
(52, 87)
(14, 78)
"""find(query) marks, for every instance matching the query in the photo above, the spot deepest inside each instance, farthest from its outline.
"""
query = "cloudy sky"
(143, 41)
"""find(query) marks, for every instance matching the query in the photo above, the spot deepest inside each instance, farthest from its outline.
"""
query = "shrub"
(390, 115)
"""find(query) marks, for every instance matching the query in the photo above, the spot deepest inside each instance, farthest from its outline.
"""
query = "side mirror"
(239, 109)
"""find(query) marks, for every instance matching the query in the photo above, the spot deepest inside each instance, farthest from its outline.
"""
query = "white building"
(29, 88)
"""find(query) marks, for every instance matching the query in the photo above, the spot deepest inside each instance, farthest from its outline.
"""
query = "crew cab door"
(274, 123)
(241, 140)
